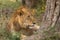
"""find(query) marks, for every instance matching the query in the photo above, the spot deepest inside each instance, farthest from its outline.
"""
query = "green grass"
(6, 3)
(3, 19)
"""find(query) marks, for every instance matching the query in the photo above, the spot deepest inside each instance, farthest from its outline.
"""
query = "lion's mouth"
(33, 27)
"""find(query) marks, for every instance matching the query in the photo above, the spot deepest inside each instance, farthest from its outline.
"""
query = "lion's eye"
(29, 16)
(20, 14)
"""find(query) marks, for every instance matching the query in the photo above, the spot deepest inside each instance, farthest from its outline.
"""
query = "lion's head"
(23, 19)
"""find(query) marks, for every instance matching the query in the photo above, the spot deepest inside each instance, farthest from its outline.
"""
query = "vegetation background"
(6, 9)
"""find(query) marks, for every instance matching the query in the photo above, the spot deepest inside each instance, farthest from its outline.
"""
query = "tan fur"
(22, 20)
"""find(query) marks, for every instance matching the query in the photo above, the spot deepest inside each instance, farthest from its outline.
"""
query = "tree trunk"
(51, 18)
(29, 3)
(51, 13)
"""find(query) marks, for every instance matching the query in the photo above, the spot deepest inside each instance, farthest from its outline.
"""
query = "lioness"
(22, 21)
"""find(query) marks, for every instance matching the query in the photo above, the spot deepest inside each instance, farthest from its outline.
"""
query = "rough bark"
(51, 14)
(29, 3)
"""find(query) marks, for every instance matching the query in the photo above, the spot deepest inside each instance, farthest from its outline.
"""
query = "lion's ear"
(20, 14)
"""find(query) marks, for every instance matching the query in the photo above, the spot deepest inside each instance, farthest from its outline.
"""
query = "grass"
(4, 5)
